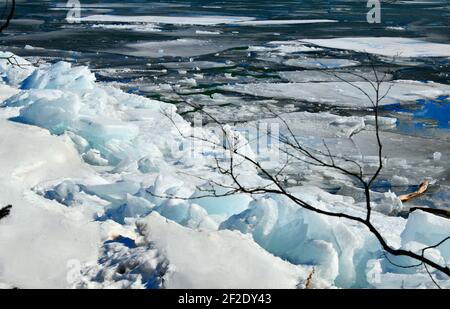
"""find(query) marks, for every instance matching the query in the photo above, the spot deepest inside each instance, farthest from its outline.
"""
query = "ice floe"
(343, 94)
(174, 48)
(386, 46)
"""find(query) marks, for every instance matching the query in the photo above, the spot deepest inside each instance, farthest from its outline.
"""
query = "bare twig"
(295, 150)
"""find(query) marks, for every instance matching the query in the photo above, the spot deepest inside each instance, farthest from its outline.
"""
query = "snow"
(285, 22)
(386, 46)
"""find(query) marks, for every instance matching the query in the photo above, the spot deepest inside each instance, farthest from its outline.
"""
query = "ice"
(303, 237)
(10, 72)
(193, 65)
(53, 114)
(134, 207)
(286, 47)
(343, 94)
(320, 63)
(285, 22)
(428, 230)
(223, 206)
(386, 46)
(174, 48)
(94, 157)
(166, 255)
(437, 156)
(175, 20)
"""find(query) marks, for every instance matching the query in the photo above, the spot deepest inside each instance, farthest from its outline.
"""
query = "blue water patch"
(424, 112)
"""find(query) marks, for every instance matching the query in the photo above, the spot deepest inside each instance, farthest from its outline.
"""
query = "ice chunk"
(55, 115)
(60, 76)
(187, 214)
(302, 237)
(223, 206)
(114, 193)
(63, 193)
(437, 156)
(94, 157)
(320, 63)
(134, 207)
(171, 20)
(429, 230)
(14, 69)
(175, 48)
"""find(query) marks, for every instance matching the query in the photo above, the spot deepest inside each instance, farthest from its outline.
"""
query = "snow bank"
(64, 207)
(209, 259)
(38, 239)
(386, 46)
(429, 230)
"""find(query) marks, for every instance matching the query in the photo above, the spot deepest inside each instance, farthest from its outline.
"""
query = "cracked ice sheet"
(386, 46)
(343, 94)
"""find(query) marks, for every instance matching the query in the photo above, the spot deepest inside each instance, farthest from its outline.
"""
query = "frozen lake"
(235, 57)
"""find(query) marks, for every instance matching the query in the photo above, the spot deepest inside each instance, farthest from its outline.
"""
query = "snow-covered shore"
(77, 160)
